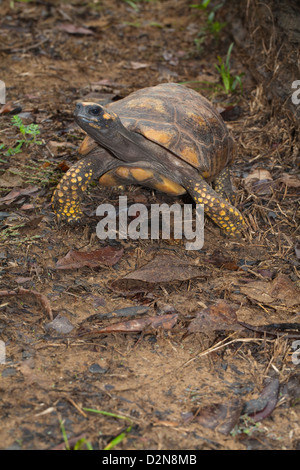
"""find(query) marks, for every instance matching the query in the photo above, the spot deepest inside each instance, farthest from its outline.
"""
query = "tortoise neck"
(127, 145)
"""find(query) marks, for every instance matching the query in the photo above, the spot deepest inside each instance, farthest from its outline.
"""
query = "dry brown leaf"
(138, 65)
(166, 322)
(281, 292)
(73, 29)
(269, 397)
(10, 180)
(108, 256)
(290, 180)
(220, 416)
(33, 376)
(259, 181)
(166, 269)
(18, 192)
(41, 298)
(220, 316)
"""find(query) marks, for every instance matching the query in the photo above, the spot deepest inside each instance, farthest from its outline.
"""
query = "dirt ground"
(182, 367)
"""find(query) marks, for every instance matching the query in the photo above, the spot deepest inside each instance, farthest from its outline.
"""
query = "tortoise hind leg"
(227, 217)
(222, 185)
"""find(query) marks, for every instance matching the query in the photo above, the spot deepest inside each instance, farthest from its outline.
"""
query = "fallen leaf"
(221, 417)
(130, 287)
(268, 397)
(166, 322)
(32, 376)
(281, 292)
(41, 298)
(18, 192)
(60, 324)
(231, 113)
(72, 29)
(290, 180)
(138, 65)
(27, 207)
(31, 224)
(258, 174)
(219, 259)
(291, 390)
(162, 269)
(220, 316)
(297, 250)
(107, 256)
(55, 147)
(288, 330)
(259, 181)
(166, 269)
(9, 179)
(122, 312)
(8, 108)
(63, 166)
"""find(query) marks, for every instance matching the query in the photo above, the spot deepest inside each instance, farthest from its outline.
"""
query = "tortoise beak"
(79, 110)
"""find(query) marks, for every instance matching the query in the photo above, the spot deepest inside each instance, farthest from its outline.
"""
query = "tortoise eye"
(95, 110)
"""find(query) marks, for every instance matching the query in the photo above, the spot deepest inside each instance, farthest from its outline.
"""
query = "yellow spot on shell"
(189, 155)
(147, 103)
(222, 213)
(162, 137)
(74, 180)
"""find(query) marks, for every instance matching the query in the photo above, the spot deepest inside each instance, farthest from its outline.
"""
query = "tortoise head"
(97, 121)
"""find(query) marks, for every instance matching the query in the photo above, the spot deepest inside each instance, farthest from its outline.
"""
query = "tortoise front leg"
(227, 217)
(68, 194)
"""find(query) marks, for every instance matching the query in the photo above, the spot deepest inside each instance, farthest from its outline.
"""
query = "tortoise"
(167, 137)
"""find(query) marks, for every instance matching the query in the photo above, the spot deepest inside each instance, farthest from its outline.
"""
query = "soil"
(175, 383)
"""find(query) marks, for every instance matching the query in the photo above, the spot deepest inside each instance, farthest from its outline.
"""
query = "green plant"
(119, 438)
(229, 81)
(247, 426)
(212, 27)
(132, 4)
(80, 444)
(29, 136)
